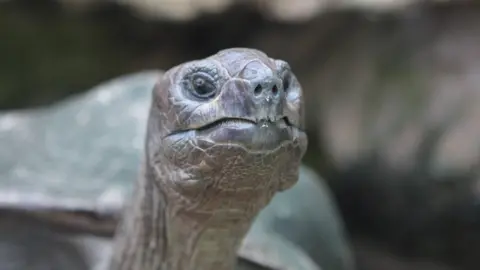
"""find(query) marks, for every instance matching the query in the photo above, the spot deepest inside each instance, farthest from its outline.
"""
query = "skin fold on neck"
(156, 233)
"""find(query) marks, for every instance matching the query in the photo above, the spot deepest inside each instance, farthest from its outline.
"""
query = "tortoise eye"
(203, 86)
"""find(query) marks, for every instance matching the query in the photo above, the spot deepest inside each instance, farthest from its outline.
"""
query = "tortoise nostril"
(275, 90)
(257, 90)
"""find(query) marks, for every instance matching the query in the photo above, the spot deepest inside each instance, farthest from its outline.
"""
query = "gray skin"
(224, 135)
(71, 166)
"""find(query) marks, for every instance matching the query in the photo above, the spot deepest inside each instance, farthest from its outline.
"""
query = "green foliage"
(44, 57)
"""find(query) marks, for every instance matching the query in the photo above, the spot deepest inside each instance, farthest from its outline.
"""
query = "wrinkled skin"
(244, 129)
(224, 135)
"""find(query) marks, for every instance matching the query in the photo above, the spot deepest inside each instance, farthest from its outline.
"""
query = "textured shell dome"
(80, 154)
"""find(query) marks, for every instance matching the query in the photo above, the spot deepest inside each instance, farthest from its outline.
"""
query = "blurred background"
(392, 87)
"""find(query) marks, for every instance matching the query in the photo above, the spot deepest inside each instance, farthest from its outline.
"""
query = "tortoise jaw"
(281, 121)
(261, 122)
(225, 122)
(262, 135)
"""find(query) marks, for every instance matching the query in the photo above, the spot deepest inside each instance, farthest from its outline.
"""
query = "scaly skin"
(224, 135)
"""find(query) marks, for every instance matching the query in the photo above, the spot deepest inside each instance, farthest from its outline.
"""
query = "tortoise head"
(231, 121)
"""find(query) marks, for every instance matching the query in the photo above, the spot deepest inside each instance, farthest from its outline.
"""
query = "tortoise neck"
(157, 234)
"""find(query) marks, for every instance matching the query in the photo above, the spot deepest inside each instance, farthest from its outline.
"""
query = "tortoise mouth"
(226, 122)
(261, 135)
(282, 122)
(240, 123)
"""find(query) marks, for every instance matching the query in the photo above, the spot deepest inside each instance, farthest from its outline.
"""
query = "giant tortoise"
(223, 142)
